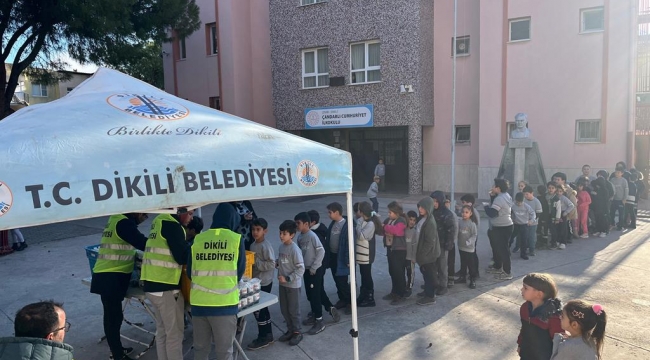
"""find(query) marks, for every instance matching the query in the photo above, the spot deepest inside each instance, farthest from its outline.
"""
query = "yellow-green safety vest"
(215, 254)
(115, 254)
(158, 264)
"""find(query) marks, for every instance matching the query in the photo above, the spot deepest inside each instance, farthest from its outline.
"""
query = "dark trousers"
(630, 210)
(396, 269)
(375, 204)
(451, 264)
(316, 294)
(366, 277)
(429, 273)
(263, 317)
(501, 238)
(112, 323)
(559, 233)
(602, 222)
(468, 262)
(341, 282)
(410, 274)
(522, 237)
(617, 205)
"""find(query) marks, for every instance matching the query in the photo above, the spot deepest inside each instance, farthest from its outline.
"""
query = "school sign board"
(118, 145)
(339, 117)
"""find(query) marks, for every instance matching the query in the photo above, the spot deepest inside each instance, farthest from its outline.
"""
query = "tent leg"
(354, 332)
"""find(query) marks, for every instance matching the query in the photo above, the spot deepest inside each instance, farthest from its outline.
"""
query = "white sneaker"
(584, 236)
(596, 234)
(602, 235)
(561, 247)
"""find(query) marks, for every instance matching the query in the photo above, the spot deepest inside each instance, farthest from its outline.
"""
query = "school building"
(375, 78)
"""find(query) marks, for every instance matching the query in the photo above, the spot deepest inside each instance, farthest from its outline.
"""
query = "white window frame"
(463, 142)
(367, 68)
(454, 44)
(182, 49)
(582, 19)
(579, 140)
(214, 44)
(311, 2)
(530, 28)
(43, 90)
(315, 73)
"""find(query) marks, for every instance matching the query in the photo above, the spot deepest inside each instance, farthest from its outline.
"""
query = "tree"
(144, 63)
(107, 32)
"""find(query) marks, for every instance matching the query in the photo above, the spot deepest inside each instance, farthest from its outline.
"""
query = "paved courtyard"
(471, 324)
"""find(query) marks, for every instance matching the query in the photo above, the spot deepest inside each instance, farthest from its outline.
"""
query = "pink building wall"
(244, 56)
(557, 77)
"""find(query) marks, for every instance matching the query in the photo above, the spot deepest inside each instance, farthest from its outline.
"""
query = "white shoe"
(602, 235)
(584, 236)
(596, 234)
(561, 247)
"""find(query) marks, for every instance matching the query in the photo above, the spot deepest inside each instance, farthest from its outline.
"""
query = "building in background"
(357, 75)
(225, 64)
(570, 65)
(32, 93)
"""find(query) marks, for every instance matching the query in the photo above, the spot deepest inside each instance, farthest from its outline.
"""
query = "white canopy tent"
(118, 145)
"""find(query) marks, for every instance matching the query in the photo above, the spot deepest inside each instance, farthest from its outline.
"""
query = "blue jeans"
(532, 238)
(375, 204)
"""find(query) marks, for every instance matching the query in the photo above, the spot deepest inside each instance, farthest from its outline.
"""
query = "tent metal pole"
(353, 273)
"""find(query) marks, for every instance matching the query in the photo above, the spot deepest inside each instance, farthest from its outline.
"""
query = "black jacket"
(116, 284)
(538, 327)
(446, 222)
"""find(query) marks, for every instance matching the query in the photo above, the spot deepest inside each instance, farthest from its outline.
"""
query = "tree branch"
(6, 11)
(21, 30)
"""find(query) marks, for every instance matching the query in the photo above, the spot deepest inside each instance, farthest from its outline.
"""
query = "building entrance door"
(368, 145)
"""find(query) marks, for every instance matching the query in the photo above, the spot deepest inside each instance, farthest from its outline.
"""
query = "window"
(462, 46)
(309, 2)
(39, 90)
(364, 62)
(315, 68)
(519, 29)
(182, 50)
(588, 131)
(462, 134)
(592, 20)
(211, 35)
(215, 102)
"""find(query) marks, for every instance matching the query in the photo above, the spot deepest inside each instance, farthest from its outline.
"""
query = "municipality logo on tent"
(307, 173)
(6, 198)
(148, 107)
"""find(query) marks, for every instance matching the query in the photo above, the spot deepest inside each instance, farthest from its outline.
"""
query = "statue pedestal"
(522, 161)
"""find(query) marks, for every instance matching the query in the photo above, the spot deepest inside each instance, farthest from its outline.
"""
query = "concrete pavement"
(477, 324)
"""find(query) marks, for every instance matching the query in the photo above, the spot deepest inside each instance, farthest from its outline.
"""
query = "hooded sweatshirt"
(446, 221)
(224, 217)
(500, 210)
(599, 194)
(428, 249)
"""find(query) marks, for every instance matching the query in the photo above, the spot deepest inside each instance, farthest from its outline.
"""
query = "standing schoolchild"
(263, 269)
(313, 254)
(566, 207)
(470, 200)
(521, 185)
(291, 268)
(621, 190)
(536, 205)
(522, 216)
(447, 235)
(365, 253)
(467, 232)
(544, 217)
(373, 191)
(585, 325)
(631, 203)
(499, 211)
(584, 201)
(337, 243)
(380, 170)
(540, 317)
(572, 217)
(428, 254)
(410, 235)
(395, 243)
(600, 205)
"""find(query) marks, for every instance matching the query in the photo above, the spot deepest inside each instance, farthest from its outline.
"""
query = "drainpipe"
(631, 123)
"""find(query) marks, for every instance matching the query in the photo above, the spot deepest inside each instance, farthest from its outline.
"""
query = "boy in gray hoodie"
(621, 191)
(291, 268)
(410, 235)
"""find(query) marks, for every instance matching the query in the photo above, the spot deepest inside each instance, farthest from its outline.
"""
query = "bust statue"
(521, 130)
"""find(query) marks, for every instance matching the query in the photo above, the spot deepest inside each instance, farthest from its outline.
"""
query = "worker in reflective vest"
(112, 273)
(164, 256)
(216, 265)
